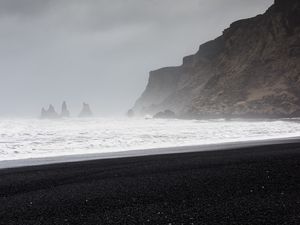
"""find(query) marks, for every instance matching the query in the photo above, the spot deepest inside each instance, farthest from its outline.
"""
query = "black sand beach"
(255, 185)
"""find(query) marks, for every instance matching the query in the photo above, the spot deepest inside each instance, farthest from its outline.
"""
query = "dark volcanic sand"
(258, 185)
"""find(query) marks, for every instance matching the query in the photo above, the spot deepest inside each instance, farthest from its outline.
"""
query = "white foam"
(33, 138)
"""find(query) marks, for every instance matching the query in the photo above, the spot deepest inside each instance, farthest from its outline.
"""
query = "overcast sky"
(100, 51)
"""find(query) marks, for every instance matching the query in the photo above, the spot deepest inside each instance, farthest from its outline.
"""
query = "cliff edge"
(252, 70)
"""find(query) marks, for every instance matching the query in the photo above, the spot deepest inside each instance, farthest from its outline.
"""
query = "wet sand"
(247, 185)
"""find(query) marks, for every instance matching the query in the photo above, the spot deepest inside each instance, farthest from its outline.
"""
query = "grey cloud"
(23, 7)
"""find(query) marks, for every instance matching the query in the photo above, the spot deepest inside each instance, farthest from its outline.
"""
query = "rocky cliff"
(252, 70)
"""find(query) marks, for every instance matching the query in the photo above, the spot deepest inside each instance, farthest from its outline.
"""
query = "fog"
(100, 51)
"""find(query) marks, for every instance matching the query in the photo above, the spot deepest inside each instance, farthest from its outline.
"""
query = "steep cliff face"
(252, 70)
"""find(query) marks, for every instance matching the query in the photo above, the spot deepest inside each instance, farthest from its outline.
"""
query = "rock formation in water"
(167, 114)
(64, 110)
(130, 113)
(49, 114)
(43, 113)
(86, 111)
(252, 70)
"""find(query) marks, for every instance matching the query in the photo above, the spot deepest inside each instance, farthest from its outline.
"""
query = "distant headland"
(251, 71)
(50, 113)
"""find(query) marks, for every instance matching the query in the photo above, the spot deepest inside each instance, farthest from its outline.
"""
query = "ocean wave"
(32, 138)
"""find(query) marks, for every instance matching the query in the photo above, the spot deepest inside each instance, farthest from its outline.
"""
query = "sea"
(35, 138)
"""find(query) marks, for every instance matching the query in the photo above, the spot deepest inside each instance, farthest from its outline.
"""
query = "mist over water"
(34, 138)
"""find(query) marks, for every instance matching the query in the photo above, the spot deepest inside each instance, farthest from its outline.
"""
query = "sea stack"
(43, 113)
(64, 110)
(50, 113)
(86, 111)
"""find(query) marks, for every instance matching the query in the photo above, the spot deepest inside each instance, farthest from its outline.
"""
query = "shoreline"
(15, 163)
(251, 185)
